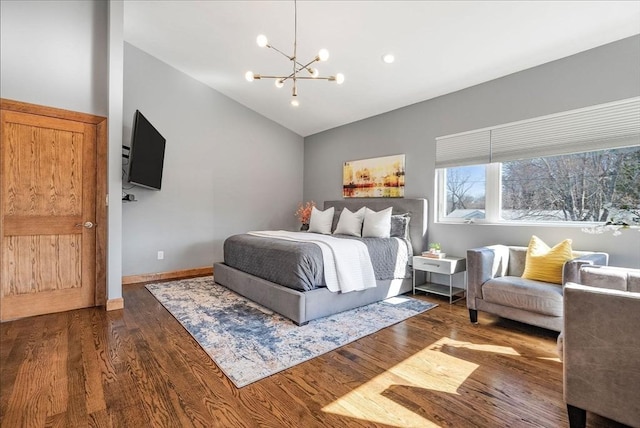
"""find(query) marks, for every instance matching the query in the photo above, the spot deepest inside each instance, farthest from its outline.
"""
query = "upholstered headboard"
(417, 208)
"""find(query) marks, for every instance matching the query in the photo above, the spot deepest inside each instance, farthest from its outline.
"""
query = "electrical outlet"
(160, 255)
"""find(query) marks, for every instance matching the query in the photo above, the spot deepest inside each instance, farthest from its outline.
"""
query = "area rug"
(250, 342)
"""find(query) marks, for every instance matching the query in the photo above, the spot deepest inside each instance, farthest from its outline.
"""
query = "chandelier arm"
(280, 52)
(315, 78)
(273, 77)
(302, 66)
(314, 60)
(285, 78)
(305, 66)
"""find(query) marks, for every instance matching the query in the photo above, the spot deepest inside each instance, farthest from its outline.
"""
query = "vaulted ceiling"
(440, 47)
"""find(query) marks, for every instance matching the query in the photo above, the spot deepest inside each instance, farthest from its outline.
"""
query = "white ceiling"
(440, 47)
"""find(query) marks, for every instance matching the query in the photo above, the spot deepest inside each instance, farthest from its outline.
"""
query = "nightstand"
(450, 266)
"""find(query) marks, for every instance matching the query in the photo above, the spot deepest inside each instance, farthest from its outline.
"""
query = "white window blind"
(469, 148)
(605, 126)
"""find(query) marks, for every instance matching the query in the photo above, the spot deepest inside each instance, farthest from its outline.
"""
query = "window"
(577, 166)
(464, 192)
(576, 188)
(600, 186)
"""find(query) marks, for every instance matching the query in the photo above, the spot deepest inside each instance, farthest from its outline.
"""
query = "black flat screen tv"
(146, 156)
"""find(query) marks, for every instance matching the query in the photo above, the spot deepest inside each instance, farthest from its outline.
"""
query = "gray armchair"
(494, 285)
(600, 343)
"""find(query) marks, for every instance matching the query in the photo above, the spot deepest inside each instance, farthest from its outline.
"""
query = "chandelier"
(308, 72)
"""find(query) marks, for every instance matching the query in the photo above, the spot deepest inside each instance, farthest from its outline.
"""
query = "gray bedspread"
(299, 265)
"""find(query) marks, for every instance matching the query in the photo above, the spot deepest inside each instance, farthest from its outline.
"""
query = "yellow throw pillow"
(545, 264)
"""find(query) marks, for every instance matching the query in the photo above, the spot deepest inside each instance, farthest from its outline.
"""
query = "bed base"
(302, 307)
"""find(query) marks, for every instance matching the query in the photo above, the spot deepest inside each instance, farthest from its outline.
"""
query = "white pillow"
(377, 224)
(321, 221)
(350, 223)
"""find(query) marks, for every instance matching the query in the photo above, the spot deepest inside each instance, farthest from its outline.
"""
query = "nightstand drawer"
(447, 266)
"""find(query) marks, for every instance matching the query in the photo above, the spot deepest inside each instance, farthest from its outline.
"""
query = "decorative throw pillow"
(320, 221)
(400, 226)
(350, 223)
(377, 224)
(545, 264)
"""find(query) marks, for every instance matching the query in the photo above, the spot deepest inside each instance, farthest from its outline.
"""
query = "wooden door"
(49, 217)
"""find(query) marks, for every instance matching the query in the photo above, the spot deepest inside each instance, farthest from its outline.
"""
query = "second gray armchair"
(601, 346)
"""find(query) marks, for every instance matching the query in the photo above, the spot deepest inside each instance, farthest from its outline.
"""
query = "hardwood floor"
(139, 367)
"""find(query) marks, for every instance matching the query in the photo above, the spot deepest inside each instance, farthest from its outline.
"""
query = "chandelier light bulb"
(249, 76)
(295, 102)
(339, 78)
(262, 40)
(313, 72)
(323, 55)
(388, 58)
(279, 83)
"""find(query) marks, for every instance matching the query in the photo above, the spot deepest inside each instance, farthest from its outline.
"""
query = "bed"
(302, 306)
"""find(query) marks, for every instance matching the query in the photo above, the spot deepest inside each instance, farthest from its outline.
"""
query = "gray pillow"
(400, 225)
(336, 218)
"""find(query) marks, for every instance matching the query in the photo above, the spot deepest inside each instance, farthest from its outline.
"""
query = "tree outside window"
(465, 192)
(601, 186)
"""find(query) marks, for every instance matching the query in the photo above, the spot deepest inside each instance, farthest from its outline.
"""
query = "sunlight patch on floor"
(428, 369)
(504, 350)
(554, 359)
(396, 300)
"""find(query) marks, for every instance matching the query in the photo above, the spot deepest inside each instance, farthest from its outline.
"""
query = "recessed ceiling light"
(388, 58)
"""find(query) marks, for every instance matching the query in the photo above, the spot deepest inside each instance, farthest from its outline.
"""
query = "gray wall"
(604, 74)
(54, 53)
(227, 170)
(116, 88)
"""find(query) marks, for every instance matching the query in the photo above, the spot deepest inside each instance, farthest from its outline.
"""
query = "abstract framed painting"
(381, 177)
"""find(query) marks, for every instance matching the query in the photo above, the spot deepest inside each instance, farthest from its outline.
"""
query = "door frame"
(101, 180)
